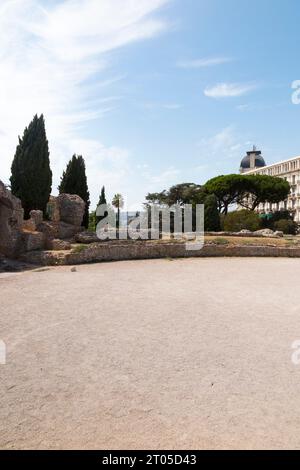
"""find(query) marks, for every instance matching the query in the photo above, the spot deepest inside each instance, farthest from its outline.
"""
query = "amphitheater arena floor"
(156, 354)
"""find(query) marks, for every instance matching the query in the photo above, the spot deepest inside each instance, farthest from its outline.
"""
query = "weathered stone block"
(279, 233)
(53, 209)
(87, 237)
(37, 217)
(68, 208)
(34, 241)
(265, 232)
(66, 231)
(58, 245)
(29, 225)
(71, 209)
(50, 229)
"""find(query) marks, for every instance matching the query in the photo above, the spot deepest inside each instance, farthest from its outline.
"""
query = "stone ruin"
(65, 215)
(65, 218)
(11, 221)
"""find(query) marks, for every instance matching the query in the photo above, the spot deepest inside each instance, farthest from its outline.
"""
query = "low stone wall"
(101, 252)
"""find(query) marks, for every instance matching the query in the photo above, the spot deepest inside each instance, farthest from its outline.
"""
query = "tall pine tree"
(74, 181)
(31, 176)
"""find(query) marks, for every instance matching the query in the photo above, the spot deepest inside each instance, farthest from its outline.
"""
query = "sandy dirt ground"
(155, 354)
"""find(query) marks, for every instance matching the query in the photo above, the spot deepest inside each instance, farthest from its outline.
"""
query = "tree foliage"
(211, 214)
(263, 188)
(227, 189)
(118, 203)
(185, 193)
(74, 181)
(102, 198)
(247, 190)
(102, 201)
(31, 176)
(189, 193)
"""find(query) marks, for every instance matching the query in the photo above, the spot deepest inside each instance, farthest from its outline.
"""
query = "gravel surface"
(155, 354)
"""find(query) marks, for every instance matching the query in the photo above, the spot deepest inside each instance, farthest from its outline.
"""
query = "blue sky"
(150, 92)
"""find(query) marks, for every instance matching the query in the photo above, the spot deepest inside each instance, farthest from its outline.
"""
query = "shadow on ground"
(13, 266)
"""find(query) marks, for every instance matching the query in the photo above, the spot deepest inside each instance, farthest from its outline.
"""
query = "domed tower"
(252, 160)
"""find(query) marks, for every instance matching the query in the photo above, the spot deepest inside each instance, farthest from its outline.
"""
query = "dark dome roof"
(259, 162)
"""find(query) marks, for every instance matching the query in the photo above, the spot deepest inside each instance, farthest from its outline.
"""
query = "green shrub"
(79, 248)
(240, 220)
(288, 227)
(268, 220)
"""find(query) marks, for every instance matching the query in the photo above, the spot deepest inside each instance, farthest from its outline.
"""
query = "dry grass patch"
(252, 241)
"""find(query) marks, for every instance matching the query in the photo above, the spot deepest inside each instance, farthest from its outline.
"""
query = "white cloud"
(53, 56)
(222, 152)
(219, 153)
(225, 90)
(201, 63)
(147, 181)
(224, 139)
(167, 177)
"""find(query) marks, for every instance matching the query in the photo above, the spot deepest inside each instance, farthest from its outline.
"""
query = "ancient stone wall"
(117, 252)
(18, 236)
(150, 250)
(11, 220)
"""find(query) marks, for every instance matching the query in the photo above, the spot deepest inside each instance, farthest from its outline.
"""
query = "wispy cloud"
(201, 63)
(54, 59)
(253, 107)
(243, 107)
(158, 106)
(225, 145)
(229, 90)
(167, 177)
(222, 152)
(172, 106)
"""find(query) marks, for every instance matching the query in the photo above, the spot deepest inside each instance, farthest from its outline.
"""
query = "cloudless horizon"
(151, 92)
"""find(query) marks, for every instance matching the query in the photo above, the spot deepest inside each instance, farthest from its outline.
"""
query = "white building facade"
(289, 170)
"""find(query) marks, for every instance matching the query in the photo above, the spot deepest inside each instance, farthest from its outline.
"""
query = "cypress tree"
(31, 176)
(211, 214)
(74, 181)
(102, 200)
